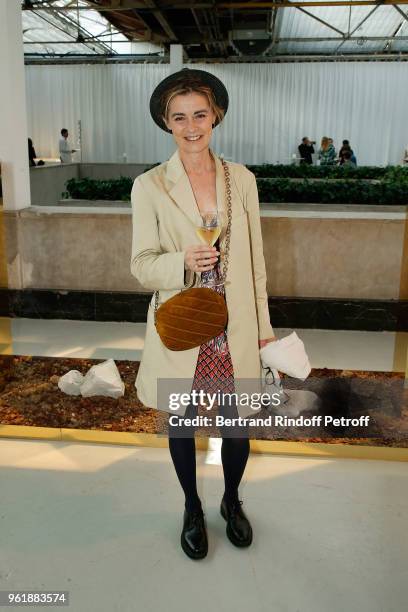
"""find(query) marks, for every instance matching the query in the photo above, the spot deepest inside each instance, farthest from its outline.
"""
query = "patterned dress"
(214, 371)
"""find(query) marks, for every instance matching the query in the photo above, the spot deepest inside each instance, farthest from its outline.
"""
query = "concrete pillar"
(13, 116)
(176, 58)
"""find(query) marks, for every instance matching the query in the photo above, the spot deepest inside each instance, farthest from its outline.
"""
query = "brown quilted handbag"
(190, 318)
(195, 315)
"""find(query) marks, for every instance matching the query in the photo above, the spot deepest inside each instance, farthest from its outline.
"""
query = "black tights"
(234, 455)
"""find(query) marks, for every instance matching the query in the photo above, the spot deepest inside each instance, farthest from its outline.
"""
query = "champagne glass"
(208, 232)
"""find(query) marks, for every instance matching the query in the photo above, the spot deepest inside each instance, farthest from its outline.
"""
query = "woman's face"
(190, 118)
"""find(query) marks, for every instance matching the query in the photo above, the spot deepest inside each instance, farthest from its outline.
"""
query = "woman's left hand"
(263, 343)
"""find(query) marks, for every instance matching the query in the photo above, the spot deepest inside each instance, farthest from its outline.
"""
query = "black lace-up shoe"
(239, 530)
(194, 535)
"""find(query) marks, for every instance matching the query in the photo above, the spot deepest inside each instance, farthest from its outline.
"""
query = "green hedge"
(329, 172)
(392, 188)
(97, 189)
(94, 189)
(336, 192)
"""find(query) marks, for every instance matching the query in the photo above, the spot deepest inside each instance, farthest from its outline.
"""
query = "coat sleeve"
(265, 328)
(153, 269)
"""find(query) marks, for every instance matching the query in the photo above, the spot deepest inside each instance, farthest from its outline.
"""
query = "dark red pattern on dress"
(214, 372)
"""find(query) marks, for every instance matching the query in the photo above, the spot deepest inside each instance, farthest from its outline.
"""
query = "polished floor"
(355, 350)
(104, 521)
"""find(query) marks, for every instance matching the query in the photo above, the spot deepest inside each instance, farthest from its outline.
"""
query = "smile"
(192, 138)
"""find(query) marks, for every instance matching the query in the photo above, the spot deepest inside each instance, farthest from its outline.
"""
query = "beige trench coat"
(164, 218)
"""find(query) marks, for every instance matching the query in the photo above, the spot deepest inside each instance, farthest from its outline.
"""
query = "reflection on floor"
(354, 350)
(104, 522)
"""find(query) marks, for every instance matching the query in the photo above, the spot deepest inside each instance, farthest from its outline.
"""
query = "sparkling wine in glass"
(208, 232)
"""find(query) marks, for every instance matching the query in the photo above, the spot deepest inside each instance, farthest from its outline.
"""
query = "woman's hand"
(263, 343)
(200, 258)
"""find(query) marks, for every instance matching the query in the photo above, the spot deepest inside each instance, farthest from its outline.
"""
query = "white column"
(176, 58)
(13, 116)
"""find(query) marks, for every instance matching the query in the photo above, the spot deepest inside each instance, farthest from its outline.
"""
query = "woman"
(327, 152)
(344, 154)
(166, 256)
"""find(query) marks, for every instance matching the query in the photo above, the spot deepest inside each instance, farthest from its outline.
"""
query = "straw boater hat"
(183, 77)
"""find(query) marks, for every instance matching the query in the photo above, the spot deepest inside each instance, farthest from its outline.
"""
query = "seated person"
(347, 159)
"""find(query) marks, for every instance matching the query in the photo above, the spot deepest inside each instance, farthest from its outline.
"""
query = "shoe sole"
(231, 537)
(190, 553)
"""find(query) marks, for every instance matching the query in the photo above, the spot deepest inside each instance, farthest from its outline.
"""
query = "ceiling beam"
(325, 23)
(337, 38)
(278, 40)
(33, 58)
(151, 4)
(201, 30)
(211, 31)
(244, 6)
(397, 8)
(148, 35)
(68, 26)
(287, 3)
(392, 38)
(276, 26)
(219, 39)
(358, 26)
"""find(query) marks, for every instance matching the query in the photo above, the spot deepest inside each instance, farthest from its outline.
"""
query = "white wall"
(271, 107)
(13, 116)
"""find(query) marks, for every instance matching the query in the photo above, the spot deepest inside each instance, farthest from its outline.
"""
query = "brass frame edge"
(270, 447)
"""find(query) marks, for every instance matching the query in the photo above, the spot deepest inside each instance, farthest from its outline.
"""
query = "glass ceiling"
(51, 32)
(48, 32)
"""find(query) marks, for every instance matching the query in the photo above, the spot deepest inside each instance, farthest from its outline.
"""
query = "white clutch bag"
(287, 355)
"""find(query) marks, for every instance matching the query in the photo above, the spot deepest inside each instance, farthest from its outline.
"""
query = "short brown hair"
(186, 86)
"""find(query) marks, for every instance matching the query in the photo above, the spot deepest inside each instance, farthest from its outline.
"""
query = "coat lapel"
(180, 189)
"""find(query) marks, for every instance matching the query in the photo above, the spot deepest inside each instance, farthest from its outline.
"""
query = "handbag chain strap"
(229, 215)
(223, 275)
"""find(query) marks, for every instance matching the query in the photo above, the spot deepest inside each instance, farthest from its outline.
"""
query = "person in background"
(306, 150)
(327, 152)
(65, 148)
(31, 152)
(347, 159)
(346, 147)
(331, 142)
